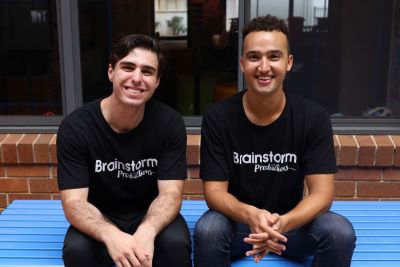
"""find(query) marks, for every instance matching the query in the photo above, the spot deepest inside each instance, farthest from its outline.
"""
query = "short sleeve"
(72, 169)
(213, 161)
(319, 154)
(172, 163)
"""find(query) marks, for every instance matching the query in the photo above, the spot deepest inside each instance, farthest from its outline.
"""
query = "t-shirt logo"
(271, 161)
(129, 170)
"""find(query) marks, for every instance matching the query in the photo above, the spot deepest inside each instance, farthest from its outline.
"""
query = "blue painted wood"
(32, 233)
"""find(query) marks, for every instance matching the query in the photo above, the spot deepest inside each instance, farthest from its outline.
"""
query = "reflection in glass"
(29, 59)
(171, 18)
(201, 47)
(344, 54)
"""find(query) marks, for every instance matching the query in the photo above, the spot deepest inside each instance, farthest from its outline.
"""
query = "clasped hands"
(131, 250)
(266, 234)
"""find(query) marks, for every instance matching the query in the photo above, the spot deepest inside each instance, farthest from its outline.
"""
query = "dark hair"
(129, 42)
(267, 23)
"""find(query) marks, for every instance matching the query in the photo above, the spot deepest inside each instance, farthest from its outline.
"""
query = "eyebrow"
(268, 52)
(128, 63)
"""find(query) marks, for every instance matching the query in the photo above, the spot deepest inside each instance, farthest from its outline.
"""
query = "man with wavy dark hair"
(121, 169)
(258, 148)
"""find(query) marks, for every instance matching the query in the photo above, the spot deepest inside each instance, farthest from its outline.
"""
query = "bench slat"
(31, 245)
(32, 238)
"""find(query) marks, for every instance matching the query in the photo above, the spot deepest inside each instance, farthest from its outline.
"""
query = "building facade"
(53, 59)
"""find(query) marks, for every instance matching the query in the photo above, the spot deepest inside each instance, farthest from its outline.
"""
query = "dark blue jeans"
(330, 239)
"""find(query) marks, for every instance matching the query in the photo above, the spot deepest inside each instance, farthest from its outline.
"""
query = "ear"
(241, 64)
(157, 82)
(110, 73)
(289, 63)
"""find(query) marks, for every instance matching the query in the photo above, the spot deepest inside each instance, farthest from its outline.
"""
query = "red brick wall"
(369, 167)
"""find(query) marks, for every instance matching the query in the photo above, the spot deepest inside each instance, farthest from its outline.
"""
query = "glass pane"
(202, 56)
(345, 54)
(29, 58)
(171, 22)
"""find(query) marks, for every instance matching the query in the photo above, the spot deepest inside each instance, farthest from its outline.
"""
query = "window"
(201, 49)
(345, 55)
(171, 18)
(29, 59)
(54, 54)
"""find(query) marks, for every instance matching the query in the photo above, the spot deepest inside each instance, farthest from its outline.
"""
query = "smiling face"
(134, 77)
(265, 61)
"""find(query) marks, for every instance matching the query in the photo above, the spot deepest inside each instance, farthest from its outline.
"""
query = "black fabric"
(171, 248)
(266, 165)
(121, 170)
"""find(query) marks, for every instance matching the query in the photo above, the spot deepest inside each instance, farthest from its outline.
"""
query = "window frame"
(71, 85)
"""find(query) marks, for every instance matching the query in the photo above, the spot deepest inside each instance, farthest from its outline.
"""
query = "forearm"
(88, 219)
(161, 212)
(229, 205)
(306, 210)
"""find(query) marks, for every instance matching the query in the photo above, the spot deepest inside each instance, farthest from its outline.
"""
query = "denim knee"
(337, 239)
(212, 228)
(337, 229)
(212, 239)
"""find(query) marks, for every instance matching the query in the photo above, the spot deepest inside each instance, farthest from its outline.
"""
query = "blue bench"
(32, 233)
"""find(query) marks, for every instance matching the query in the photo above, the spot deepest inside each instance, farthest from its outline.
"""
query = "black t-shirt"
(266, 165)
(121, 170)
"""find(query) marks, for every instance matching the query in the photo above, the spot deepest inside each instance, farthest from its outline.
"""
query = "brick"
(194, 172)
(3, 201)
(367, 150)
(41, 148)
(53, 170)
(345, 189)
(12, 197)
(396, 141)
(392, 174)
(345, 198)
(348, 150)
(10, 185)
(9, 148)
(359, 174)
(336, 147)
(2, 137)
(193, 150)
(2, 171)
(384, 151)
(43, 185)
(193, 186)
(195, 197)
(28, 171)
(53, 150)
(25, 148)
(378, 189)
(56, 196)
(368, 199)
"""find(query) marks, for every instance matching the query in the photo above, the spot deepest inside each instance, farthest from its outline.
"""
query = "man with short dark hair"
(257, 149)
(121, 169)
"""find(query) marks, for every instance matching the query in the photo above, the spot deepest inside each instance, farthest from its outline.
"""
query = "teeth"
(135, 91)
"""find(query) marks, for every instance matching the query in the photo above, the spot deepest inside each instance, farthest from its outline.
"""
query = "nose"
(136, 76)
(264, 65)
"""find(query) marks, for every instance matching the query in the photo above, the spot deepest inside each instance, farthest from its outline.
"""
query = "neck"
(121, 118)
(262, 110)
